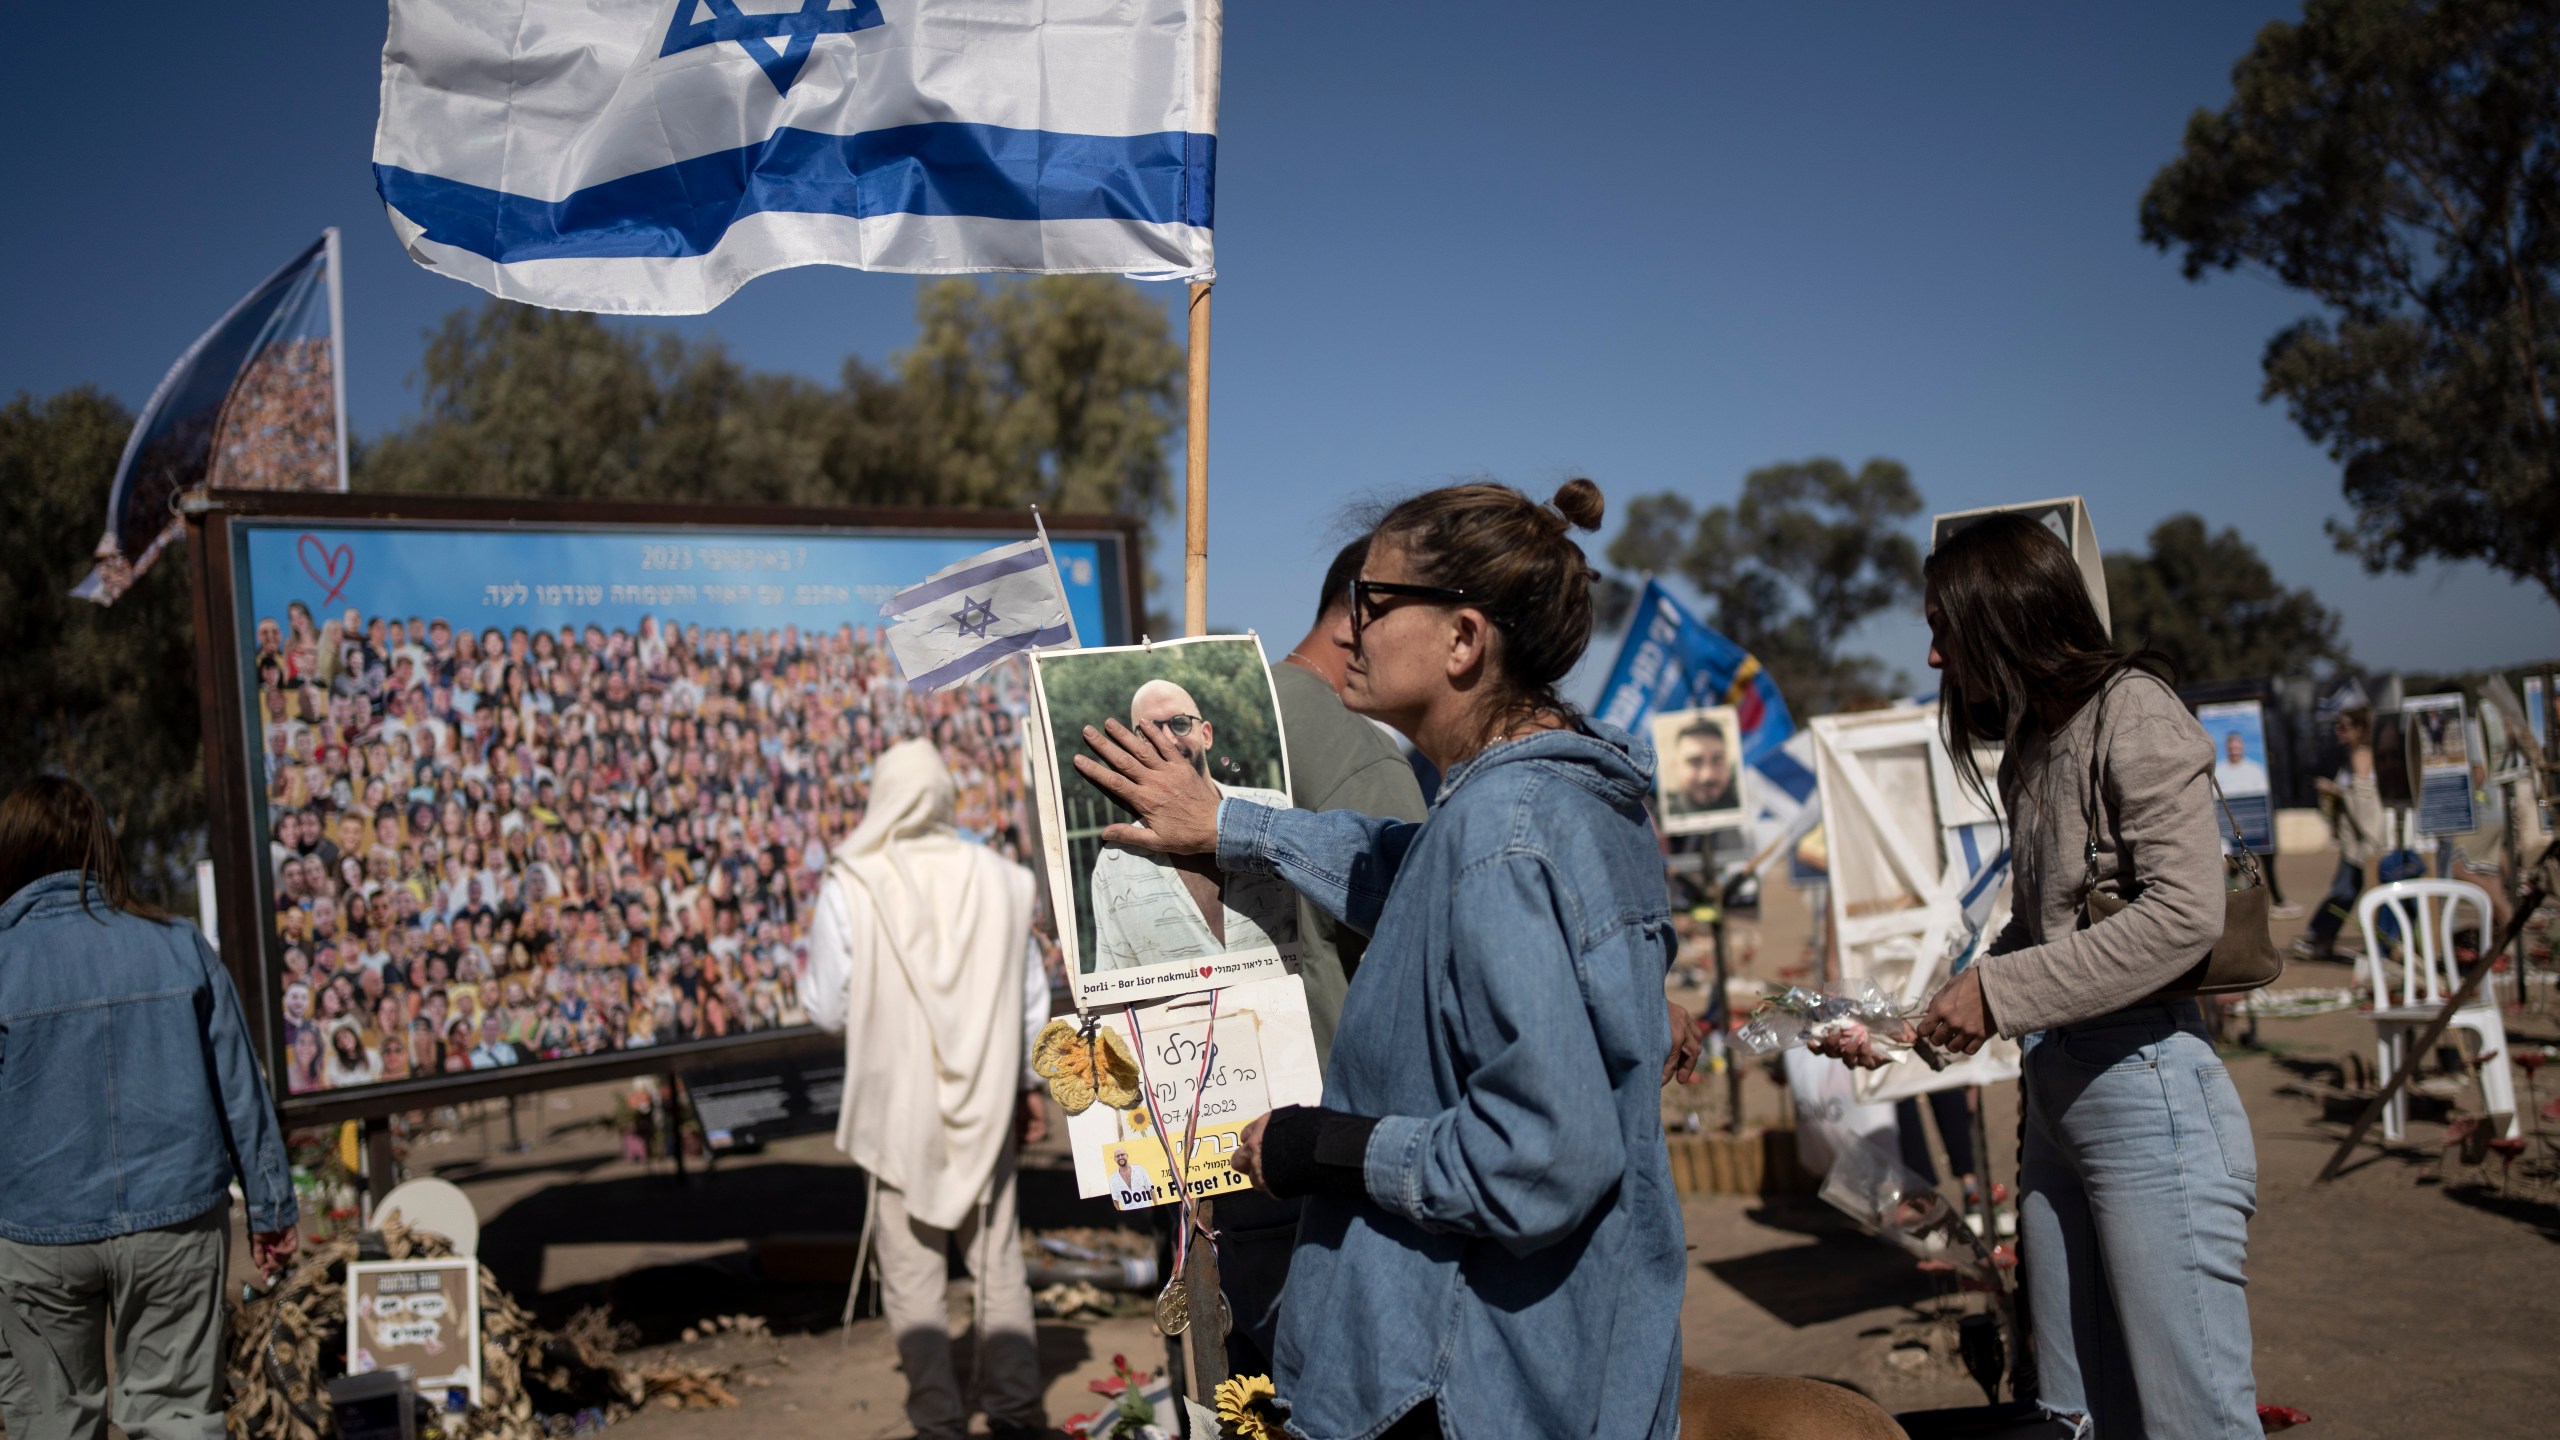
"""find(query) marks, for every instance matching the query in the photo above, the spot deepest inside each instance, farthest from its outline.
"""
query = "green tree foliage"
(1809, 552)
(2399, 161)
(1060, 391)
(2210, 604)
(105, 696)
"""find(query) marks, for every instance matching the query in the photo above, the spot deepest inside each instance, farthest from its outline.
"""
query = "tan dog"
(1777, 1407)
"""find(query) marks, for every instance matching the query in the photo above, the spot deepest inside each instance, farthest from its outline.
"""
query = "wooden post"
(1208, 1333)
(2545, 778)
(1200, 1273)
(380, 1166)
(1195, 474)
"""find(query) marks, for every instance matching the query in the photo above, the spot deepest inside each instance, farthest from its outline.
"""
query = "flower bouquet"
(1797, 1016)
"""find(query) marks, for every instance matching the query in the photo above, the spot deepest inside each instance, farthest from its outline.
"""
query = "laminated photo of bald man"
(1169, 922)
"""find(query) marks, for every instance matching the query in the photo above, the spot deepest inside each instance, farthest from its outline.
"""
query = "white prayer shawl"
(916, 954)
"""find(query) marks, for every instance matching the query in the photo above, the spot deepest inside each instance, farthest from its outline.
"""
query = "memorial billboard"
(515, 794)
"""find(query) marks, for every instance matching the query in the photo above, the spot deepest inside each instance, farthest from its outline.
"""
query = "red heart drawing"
(331, 569)
(1204, 972)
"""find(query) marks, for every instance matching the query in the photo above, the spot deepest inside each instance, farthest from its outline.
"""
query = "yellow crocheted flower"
(1240, 1403)
(1115, 1071)
(1062, 1058)
(1081, 1070)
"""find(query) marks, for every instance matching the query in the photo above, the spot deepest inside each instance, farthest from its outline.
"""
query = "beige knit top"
(2158, 844)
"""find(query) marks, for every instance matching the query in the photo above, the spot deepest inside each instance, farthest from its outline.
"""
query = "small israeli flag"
(651, 156)
(968, 616)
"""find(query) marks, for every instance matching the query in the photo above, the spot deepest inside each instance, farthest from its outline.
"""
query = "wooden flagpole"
(1208, 1330)
(1195, 473)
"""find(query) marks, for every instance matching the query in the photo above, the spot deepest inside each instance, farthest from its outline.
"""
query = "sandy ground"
(2407, 1298)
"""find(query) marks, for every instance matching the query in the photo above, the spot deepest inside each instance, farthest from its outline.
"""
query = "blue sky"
(1657, 245)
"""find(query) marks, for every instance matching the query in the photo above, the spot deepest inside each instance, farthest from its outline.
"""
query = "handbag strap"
(2097, 755)
(2095, 800)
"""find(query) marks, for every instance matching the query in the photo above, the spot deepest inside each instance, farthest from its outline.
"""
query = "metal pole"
(337, 348)
(1715, 1007)
(2002, 1303)
(1195, 474)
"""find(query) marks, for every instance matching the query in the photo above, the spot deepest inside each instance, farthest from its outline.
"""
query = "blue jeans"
(2139, 1177)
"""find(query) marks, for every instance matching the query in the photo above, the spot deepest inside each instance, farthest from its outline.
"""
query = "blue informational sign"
(2440, 757)
(2238, 729)
(543, 579)
(528, 794)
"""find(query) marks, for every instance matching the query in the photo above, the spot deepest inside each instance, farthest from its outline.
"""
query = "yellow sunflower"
(1240, 1403)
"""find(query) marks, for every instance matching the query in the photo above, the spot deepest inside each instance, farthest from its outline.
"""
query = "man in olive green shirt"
(1337, 761)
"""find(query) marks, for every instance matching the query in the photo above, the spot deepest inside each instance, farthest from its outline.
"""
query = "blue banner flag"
(257, 403)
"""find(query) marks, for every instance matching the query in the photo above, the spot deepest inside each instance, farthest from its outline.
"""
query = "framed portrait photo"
(1699, 777)
(1135, 924)
(2238, 730)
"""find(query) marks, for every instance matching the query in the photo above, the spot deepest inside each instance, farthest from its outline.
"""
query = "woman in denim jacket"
(128, 1100)
(1490, 1244)
(2139, 1173)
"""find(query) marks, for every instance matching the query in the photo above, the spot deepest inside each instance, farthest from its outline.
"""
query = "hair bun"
(1581, 504)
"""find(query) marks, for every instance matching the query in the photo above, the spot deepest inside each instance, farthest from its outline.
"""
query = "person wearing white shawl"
(921, 954)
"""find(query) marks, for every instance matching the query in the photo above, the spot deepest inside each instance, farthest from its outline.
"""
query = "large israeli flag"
(651, 156)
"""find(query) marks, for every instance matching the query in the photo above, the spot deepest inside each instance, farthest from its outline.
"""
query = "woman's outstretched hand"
(1176, 803)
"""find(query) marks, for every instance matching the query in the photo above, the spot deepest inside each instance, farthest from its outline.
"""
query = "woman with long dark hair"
(129, 1099)
(1490, 1244)
(2139, 1173)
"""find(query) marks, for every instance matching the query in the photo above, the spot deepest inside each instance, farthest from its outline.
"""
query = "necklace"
(1302, 662)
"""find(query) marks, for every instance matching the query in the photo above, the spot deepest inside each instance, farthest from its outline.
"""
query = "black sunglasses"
(1365, 610)
(1180, 726)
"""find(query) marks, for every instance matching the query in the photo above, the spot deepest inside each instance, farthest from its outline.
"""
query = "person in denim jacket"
(129, 1098)
(1490, 1245)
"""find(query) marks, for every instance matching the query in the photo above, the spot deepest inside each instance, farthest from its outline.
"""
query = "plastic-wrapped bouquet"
(1797, 1016)
(1888, 1201)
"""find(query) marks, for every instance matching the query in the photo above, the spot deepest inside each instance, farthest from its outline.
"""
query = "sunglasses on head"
(1365, 608)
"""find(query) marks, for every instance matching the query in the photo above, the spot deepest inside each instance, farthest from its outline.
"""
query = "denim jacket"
(1519, 1254)
(128, 1094)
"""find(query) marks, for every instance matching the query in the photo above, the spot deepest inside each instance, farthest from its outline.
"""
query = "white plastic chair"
(2428, 912)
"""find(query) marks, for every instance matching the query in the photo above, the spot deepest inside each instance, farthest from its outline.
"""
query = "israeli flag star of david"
(651, 156)
(968, 615)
